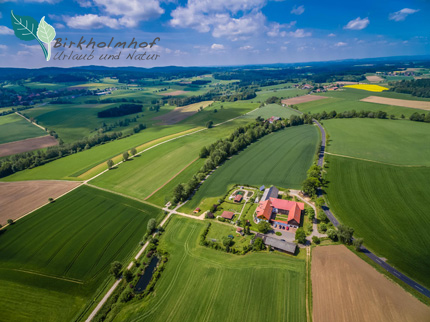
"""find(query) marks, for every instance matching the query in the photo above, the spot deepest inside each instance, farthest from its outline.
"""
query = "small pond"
(147, 275)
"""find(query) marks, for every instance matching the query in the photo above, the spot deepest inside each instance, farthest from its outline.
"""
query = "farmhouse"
(227, 215)
(271, 192)
(280, 213)
(238, 198)
(280, 245)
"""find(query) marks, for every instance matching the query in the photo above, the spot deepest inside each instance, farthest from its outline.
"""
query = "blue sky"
(225, 32)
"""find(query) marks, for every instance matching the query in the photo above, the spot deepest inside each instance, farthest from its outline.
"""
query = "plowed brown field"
(346, 288)
(302, 99)
(19, 198)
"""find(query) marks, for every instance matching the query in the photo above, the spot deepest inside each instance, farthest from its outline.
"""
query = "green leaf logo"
(46, 33)
(26, 28)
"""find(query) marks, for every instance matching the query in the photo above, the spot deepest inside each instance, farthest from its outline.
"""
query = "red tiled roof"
(294, 208)
(264, 210)
(238, 198)
(227, 215)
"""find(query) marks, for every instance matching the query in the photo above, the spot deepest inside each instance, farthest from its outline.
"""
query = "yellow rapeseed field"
(368, 87)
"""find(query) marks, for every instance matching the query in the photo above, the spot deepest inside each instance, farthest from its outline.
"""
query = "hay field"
(374, 79)
(346, 288)
(302, 99)
(175, 93)
(422, 105)
(181, 113)
(19, 198)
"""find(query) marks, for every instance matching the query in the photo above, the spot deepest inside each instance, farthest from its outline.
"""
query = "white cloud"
(221, 17)
(402, 14)
(283, 48)
(91, 21)
(275, 29)
(298, 10)
(331, 35)
(85, 3)
(300, 33)
(357, 24)
(3, 47)
(217, 47)
(127, 13)
(341, 44)
(5, 30)
(246, 48)
(59, 25)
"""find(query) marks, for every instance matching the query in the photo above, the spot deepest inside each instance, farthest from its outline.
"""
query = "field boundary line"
(47, 203)
(374, 161)
(180, 171)
(39, 126)
(50, 276)
(124, 195)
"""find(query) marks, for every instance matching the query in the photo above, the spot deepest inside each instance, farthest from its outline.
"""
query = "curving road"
(368, 253)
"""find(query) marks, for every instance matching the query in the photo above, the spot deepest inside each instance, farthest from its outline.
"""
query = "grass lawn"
(88, 163)
(201, 284)
(61, 253)
(349, 99)
(391, 141)
(141, 176)
(218, 231)
(388, 206)
(15, 128)
(280, 159)
(281, 93)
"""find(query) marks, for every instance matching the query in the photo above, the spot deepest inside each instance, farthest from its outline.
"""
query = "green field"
(270, 110)
(201, 284)
(143, 175)
(390, 141)
(281, 93)
(280, 159)
(55, 259)
(71, 167)
(349, 99)
(15, 128)
(388, 206)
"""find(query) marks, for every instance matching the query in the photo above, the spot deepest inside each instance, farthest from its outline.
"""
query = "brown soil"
(175, 93)
(302, 99)
(27, 145)
(346, 288)
(19, 198)
(346, 83)
(374, 79)
(181, 113)
(423, 105)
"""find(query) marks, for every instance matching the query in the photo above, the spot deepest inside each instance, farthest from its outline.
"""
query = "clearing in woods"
(175, 93)
(202, 284)
(346, 288)
(181, 113)
(19, 198)
(302, 99)
(398, 102)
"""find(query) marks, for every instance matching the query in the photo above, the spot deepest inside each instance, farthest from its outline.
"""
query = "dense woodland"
(123, 109)
(417, 87)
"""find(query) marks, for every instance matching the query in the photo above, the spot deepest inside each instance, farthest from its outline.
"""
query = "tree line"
(30, 160)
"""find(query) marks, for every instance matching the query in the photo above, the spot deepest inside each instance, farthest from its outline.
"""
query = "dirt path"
(17, 113)
(155, 191)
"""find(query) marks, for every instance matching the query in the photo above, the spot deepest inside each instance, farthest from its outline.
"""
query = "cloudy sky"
(224, 32)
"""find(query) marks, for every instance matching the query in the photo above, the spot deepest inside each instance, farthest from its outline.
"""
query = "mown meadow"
(61, 253)
(14, 128)
(201, 284)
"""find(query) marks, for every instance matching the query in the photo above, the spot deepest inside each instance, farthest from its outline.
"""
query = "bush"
(151, 225)
(115, 269)
(278, 233)
(263, 227)
(316, 240)
(10, 221)
(332, 234)
(300, 235)
(128, 275)
(323, 227)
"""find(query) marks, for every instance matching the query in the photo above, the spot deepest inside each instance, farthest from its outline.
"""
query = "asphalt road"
(368, 253)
